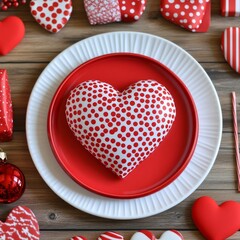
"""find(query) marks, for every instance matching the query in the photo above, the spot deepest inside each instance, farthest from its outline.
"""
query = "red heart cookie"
(216, 222)
(12, 31)
(230, 45)
(121, 129)
(193, 15)
(21, 223)
(6, 112)
(52, 15)
(132, 10)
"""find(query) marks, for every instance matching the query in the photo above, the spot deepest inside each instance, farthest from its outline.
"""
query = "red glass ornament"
(12, 181)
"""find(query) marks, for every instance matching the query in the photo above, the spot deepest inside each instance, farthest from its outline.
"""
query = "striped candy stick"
(235, 130)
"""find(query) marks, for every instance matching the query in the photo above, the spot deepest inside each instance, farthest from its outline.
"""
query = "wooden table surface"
(59, 220)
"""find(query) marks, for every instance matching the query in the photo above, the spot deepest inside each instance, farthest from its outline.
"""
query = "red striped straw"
(235, 130)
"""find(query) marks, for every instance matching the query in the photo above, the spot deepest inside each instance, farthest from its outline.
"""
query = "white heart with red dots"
(147, 235)
(121, 129)
(51, 14)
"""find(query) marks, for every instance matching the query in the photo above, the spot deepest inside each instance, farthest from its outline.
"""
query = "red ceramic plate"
(162, 166)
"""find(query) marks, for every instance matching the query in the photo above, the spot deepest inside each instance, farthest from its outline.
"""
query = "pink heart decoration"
(187, 14)
(121, 129)
(132, 10)
(230, 47)
(21, 223)
(51, 14)
(147, 235)
(110, 236)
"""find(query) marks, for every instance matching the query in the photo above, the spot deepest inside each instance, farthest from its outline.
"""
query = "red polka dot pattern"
(121, 129)
(102, 11)
(132, 10)
(188, 14)
(51, 14)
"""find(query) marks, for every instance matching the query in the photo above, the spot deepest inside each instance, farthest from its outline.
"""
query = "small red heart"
(12, 31)
(216, 222)
(192, 15)
(21, 223)
(132, 10)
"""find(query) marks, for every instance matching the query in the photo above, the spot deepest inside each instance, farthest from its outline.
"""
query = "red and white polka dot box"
(193, 15)
(108, 11)
(230, 8)
(121, 129)
(52, 15)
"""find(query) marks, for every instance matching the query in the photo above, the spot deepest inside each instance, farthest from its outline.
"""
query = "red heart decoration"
(230, 46)
(21, 223)
(52, 15)
(120, 129)
(6, 113)
(193, 15)
(132, 10)
(216, 222)
(12, 31)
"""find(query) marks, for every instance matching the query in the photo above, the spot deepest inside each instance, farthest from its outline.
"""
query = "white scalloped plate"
(176, 59)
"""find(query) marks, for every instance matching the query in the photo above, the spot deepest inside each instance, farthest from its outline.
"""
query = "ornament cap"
(3, 156)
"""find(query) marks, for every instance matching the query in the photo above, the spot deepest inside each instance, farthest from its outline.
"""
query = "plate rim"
(154, 198)
(151, 190)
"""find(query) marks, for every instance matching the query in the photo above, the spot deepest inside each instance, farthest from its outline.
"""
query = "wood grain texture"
(57, 219)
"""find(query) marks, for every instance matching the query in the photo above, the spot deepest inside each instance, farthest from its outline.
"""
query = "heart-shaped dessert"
(230, 47)
(21, 223)
(52, 15)
(12, 31)
(78, 238)
(216, 222)
(187, 14)
(121, 129)
(147, 235)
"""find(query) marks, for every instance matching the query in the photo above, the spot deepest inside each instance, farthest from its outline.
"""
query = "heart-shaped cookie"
(21, 223)
(216, 222)
(147, 235)
(52, 15)
(121, 129)
(192, 15)
(12, 31)
(230, 46)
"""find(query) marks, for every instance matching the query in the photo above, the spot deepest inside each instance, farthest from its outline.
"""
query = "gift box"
(230, 8)
(6, 112)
